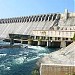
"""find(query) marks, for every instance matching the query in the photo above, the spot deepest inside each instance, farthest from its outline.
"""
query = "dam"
(51, 30)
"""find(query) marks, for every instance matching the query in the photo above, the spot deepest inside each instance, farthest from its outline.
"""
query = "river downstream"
(20, 61)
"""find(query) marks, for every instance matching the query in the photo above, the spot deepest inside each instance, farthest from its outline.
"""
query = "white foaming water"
(39, 48)
(7, 68)
(29, 54)
(2, 55)
(34, 58)
(42, 54)
(19, 60)
(20, 56)
(4, 67)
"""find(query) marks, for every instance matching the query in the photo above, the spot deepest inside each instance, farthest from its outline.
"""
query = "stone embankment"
(64, 56)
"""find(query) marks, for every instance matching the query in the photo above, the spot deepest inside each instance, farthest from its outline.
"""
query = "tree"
(36, 71)
(74, 74)
(73, 37)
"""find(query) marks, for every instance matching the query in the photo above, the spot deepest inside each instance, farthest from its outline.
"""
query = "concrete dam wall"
(45, 27)
(25, 25)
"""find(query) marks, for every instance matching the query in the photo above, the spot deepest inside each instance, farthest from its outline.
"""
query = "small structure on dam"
(54, 29)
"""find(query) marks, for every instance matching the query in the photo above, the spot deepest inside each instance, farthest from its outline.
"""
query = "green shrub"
(73, 38)
(73, 73)
(35, 71)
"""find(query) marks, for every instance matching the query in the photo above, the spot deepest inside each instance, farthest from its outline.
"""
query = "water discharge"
(20, 61)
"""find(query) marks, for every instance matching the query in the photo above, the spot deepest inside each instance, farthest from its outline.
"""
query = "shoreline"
(9, 46)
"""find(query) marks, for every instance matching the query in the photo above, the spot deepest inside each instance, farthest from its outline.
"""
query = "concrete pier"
(30, 41)
(63, 44)
(48, 43)
(44, 43)
(21, 42)
(11, 41)
(39, 43)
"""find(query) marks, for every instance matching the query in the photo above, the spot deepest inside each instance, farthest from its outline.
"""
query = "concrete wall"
(25, 25)
(72, 15)
(48, 69)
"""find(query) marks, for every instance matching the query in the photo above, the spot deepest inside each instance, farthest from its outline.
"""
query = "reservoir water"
(20, 61)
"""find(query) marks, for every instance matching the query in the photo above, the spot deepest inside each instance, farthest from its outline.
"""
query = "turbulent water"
(20, 61)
